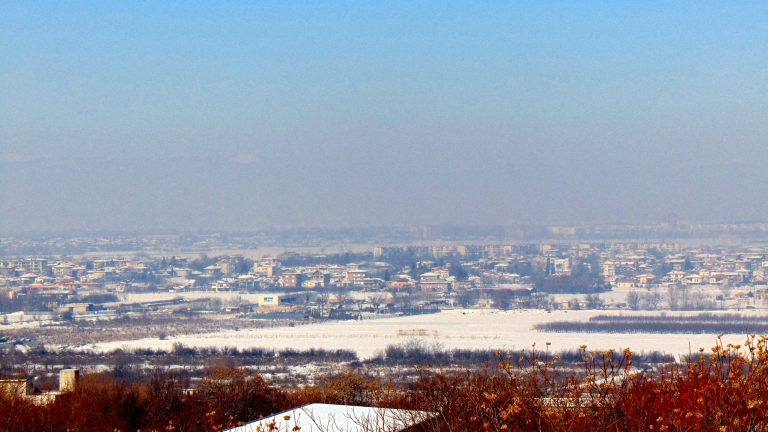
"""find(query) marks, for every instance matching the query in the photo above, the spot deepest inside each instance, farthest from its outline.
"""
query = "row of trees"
(663, 324)
(196, 359)
(675, 298)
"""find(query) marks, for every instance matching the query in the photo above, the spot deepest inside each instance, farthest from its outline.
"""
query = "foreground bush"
(722, 391)
(101, 403)
(719, 391)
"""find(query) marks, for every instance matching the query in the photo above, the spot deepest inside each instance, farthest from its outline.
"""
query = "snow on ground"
(617, 295)
(189, 296)
(463, 329)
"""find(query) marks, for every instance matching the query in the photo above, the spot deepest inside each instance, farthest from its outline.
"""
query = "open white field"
(464, 329)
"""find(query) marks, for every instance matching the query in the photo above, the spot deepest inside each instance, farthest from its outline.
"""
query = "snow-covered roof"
(338, 418)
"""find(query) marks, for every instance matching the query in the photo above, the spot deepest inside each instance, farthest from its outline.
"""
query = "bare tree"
(573, 304)
(725, 290)
(673, 297)
(685, 298)
(467, 298)
(342, 296)
(699, 301)
(651, 300)
(401, 297)
(542, 301)
(501, 299)
(593, 301)
(633, 300)
(322, 301)
(377, 300)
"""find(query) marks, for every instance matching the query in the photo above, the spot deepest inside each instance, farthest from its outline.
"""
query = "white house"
(338, 418)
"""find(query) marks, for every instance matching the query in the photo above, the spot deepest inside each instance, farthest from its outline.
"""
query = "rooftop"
(338, 418)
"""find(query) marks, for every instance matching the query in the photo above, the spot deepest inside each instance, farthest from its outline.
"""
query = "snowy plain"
(449, 329)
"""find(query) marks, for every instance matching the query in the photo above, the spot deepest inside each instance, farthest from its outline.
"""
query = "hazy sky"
(239, 115)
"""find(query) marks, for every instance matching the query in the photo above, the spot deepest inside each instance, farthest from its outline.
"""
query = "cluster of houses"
(44, 276)
(640, 268)
(442, 270)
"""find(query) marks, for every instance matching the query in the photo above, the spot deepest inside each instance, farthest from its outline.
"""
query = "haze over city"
(240, 216)
(172, 115)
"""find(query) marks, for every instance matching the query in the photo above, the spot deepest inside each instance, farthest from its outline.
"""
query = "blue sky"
(428, 112)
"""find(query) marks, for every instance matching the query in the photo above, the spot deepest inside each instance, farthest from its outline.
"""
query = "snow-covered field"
(465, 329)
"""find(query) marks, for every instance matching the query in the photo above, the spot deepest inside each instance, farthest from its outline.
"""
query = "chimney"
(68, 379)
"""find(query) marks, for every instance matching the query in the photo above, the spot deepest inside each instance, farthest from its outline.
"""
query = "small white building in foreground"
(338, 418)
